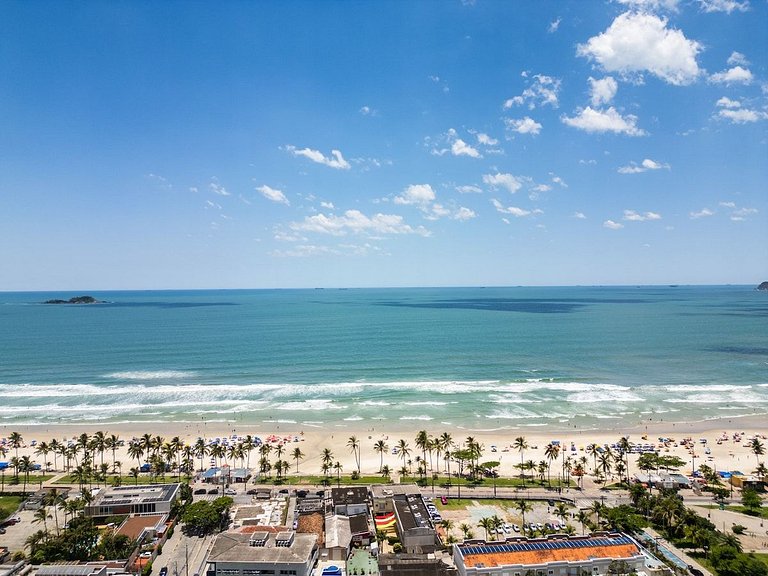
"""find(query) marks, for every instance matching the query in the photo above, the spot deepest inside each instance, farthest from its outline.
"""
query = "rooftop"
(235, 547)
(525, 551)
(141, 494)
(134, 526)
(350, 495)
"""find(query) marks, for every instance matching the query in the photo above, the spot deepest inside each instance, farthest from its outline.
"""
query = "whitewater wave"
(151, 375)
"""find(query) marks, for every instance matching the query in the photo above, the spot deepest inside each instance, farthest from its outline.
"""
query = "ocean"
(471, 358)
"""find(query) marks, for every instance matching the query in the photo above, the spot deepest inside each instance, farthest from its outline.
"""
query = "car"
(301, 493)
(213, 491)
(230, 492)
(283, 491)
(507, 529)
(164, 571)
(695, 571)
(443, 500)
(200, 491)
(146, 554)
(515, 527)
(252, 491)
(540, 526)
(2, 530)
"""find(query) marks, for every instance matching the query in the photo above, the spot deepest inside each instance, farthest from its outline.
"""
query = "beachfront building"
(663, 480)
(382, 496)
(554, 556)
(262, 553)
(413, 524)
(141, 499)
(226, 475)
(350, 501)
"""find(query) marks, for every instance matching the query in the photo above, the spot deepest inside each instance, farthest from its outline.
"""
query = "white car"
(230, 492)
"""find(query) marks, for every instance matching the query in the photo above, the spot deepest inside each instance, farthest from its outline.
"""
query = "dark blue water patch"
(528, 305)
(743, 350)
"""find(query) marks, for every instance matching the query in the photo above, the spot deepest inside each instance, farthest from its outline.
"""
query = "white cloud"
(542, 188)
(419, 194)
(507, 181)
(193, 189)
(728, 204)
(610, 224)
(335, 160)
(327, 205)
(737, 58)
(703, 213)
(464, 214)
(727, 6)
(651, 5)
(638, 42)
(218, 189)
(513, 210)
(726, 102)
(632, 216)
(525, 126)
(554, 25)
(272, 194)
(745, 211)
(735, 75)
(742, 115)
(461, 148)
(560, 181)
(304, 251)
(486, 140)
(355, 222)
(469, 189)
(579, 216)
(591, 120)
(543, 90)
(602, 91)
(368, 111)
(644, 166)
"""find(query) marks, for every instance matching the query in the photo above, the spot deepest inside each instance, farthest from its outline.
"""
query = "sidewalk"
(676, 551)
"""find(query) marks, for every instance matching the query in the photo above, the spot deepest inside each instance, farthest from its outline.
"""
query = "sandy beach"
(726, 455)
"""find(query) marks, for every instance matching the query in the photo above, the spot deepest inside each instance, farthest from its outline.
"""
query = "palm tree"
(248, 446)
(297, 455)
(99, 444)
(422, 441)
(486, 524)
(201, 451)
(135, 473)
(386, 471)
(136, 450)
(551, 452)
(561, 511)
(521, 445)
(176, 445)
(55, 447)
(757, 448)
(338, 467)
(593, 451)
(466, 530)
(15, 440)
(405, 451)
(112, 442)
(43, 449)
(354, 446)
(583, 518)
(380, 447)
(25, 465)
(41, 515)
(624, 450)
(606, 463)
(446, 443)
(55, 498)
(523, 506)
(597, 509)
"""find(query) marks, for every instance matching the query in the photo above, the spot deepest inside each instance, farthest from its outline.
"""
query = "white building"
(263, 553)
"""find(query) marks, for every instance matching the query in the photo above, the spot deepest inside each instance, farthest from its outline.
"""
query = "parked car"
(252, 491)
(230, 492)
(213, 491)
(164, 571)
(200, 491)
(515, 527)
(443, 500)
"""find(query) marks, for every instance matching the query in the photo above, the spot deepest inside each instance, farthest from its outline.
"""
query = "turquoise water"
(478, 358)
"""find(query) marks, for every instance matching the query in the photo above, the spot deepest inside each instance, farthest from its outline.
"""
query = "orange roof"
(135, 525)
(554, 555)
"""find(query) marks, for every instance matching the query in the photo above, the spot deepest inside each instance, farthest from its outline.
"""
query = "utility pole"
(186, 559)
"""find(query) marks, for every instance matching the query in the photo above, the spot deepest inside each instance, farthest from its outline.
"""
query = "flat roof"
(135, 525)
(542, 551)
(69, 570)
(141, 494)
(350, 495)
(385, 490)
(234, 547)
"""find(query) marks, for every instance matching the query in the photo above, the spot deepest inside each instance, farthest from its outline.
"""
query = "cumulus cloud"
(418, 194)
(703, 213)
(272, 194)
(737, 115)
(560, 181)
(602, 91)
(464, 214)
(461, 148)
(506, 181)
(638, 42)
(335, 160)
(592, 120)
(579, 216)
(553, 26)
(727, 6)
(486, 140)
(737, 58)
(611, 225)
(644, 166)
(726, 102)
(355, 222)
(368, 111)
(327, 205)
(523, 126)
(542, 90)
(735, 75)
(514, 210)
(633, 216)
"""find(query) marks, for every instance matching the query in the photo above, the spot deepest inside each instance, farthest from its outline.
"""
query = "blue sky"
(302, 144)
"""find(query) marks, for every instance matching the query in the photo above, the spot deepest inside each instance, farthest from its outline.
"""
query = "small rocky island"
(76, 300)
(763, 286)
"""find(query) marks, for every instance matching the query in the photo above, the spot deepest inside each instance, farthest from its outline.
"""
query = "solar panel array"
(545, 545)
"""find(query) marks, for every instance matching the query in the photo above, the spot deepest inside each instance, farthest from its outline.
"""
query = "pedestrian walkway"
(674, 554)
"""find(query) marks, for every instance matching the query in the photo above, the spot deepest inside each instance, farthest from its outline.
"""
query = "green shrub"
(738, 529)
